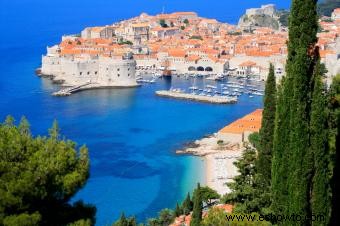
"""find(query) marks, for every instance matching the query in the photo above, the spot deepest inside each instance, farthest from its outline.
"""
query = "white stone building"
(107, 32)
(97, 70)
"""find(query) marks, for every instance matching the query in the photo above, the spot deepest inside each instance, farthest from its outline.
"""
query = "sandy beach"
(219, 158)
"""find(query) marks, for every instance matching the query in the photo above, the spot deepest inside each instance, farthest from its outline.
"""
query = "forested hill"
(326, 7)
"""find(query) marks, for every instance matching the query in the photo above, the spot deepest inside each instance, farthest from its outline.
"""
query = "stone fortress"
(266, 16)
(99, 71)
(265, 9)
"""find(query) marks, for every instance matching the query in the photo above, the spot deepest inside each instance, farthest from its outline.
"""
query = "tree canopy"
(38, 177)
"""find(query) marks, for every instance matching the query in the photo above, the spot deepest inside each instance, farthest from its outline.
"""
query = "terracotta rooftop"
(248, 64)
(250, 122)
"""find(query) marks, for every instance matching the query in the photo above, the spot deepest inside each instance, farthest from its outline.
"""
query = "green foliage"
(23, 219)
(220, 142)
(182, 28)
(321, 189)
(265, 147)
(81, 223)
(292, 162)
(196, 37)
(326, 7)
(208, 195)
(280, 160)
(124, 221)
(186, 21)
(217, 217)
(126, 42)
(187, 205)
(254, 139)
(243, 188)
(166, 217)
(178, 210)
(198, 207)
(39, 176)
(163, 23)
(333, 143)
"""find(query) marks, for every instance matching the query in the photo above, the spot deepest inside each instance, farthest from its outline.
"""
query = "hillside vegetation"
(326, 7)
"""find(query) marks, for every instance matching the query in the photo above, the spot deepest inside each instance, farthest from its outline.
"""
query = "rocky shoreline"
(219, 158)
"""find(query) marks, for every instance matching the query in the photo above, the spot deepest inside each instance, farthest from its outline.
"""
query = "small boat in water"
(211, 87)
(193, 88)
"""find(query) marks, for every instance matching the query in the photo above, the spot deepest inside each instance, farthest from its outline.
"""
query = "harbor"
(212, 88)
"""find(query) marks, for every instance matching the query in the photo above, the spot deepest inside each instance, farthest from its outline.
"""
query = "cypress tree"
(196, 217)
(178, 211)
(265, 146)
(334, 141)
(301, 162)
(187, 205)
(302, 37)
(321, 190)
(263, 163)
(293, 117)
(280, 160)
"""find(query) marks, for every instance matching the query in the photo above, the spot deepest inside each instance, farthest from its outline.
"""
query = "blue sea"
(132, 135)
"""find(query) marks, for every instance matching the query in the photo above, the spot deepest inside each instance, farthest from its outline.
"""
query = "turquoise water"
(132, 135)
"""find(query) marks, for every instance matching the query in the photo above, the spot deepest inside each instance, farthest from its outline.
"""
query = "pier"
(195, 97)
(69, 90)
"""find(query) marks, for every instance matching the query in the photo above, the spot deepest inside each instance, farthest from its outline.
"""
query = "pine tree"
(263, 163)
(197, 210)
(39, 176)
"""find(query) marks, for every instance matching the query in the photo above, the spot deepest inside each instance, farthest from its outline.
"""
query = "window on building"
(118, 69)
(88, 73)
(128, 75)
(118, 75)
(80, 73)
(96, 72)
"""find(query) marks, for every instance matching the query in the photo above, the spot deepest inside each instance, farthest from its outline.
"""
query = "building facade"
(98, 70)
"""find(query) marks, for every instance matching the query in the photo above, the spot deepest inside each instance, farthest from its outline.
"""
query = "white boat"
(210, 78)
(193, 88)
(211, 87)
(258, 93)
